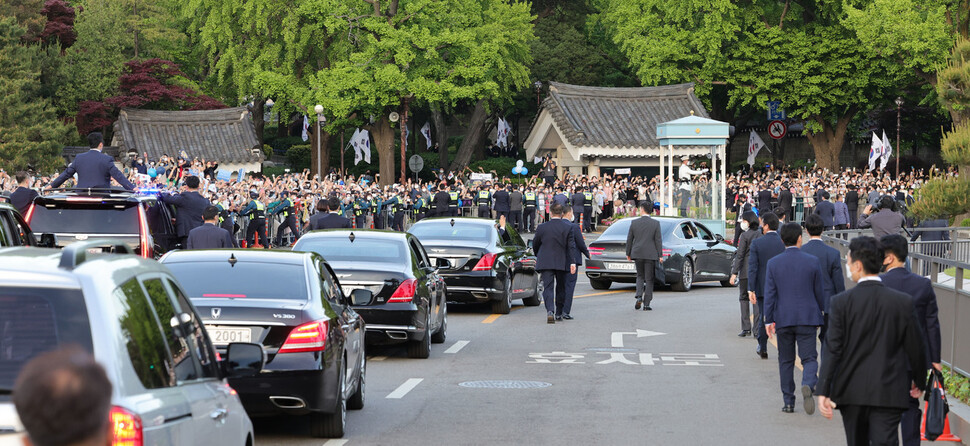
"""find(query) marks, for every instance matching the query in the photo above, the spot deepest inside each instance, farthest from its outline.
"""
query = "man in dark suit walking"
(93, 168)
(873, 333)
(825, 209)
(327, 217)
(189, 206)
(762, 250)
(764, 200)
(578, 253)
(852, 202)
(920, 289)
(554, 245)
(23, 196)
(441, 199)
(576, 200)
(503, 204)
(785, 199)
(829, 260)
(739, 269)
(209, 235)
(644, 246)
(794, 298)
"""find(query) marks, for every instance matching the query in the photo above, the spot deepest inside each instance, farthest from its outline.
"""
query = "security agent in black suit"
(644, 246)
(327, 217)
(576, 200)
(764, 200)
(920, 289)
(785, 199)
(94, 169)
(762, 250)
(554, 245)
(189, 206)
(209, 235)
(852, 202)
(581, 250)
(441, 200)
(503, 203)
(825, 209)
(874, 358)
(23, 196)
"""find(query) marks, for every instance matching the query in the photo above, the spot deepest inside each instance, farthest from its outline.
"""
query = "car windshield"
(444, 230)
(620, 228)
(85, 219)
(38, 320)
(241, 280)
(341, 249)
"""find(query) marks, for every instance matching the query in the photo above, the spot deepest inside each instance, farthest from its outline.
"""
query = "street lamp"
(319, 109)
(538, 85)
(899, 114)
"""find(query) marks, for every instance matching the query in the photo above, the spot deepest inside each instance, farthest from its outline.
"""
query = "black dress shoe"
(788, 409)
(809, 400)
(558, 318)
(763, 355)
(744, 333)
(567, 317)
(639, 304)
(551, 318)
(647, 308)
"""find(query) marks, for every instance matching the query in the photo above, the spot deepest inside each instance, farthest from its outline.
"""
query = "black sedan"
(408, 297)
(486, 263)
(691, 252)
(292, 304)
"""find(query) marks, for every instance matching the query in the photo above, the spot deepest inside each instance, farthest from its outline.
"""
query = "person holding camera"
(883, 219)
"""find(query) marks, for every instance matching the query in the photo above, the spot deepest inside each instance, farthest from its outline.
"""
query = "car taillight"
(126, 428)
(486, 263)
(404, 292)
(666, 253)
(594, 251)
(30, 213)
(143, 236)
(310, 337)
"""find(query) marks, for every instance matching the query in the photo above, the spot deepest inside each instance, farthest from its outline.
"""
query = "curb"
(960, 420)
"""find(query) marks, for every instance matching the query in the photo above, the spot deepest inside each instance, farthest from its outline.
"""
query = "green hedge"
(298, 157)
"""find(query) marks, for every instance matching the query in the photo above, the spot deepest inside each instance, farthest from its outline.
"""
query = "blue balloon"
(515, 170)
(152, 172)
(524, 170)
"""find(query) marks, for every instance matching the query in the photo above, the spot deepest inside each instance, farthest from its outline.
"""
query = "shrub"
(299, 157)
(956, 145)
(941, 197)
(282, 145)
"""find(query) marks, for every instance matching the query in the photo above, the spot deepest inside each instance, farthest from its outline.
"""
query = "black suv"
(14, 231)
(61, 217)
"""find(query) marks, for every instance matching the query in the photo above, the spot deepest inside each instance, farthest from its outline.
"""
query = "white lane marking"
(408, 386)
(457, 347)
(378, 358)
(335, 442)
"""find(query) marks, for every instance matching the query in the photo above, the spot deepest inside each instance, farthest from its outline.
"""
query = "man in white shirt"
(685, 175)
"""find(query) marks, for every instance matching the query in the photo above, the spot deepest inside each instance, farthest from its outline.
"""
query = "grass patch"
(952, 272)
(957, 385)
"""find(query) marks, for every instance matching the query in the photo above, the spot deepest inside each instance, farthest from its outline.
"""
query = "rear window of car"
(243, 280)
(38, 320)
(341, 249)
(443, 230)
(620, 228)
(85, 218)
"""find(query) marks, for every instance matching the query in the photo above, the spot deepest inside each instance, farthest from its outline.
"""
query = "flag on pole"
(755, 143)
(426, 131)
(353, 143)
(365, 145)
(406, 133)
(502, 133)
(875, 151)
(887, 151)
(306, 128)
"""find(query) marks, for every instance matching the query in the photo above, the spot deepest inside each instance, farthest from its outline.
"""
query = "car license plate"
(225, 335)
(623, 266)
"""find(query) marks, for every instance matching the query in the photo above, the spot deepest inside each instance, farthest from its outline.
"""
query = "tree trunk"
(384, 142)
(828, 143)
(473, 140)
(440, 134)
(280, 127)
(259, 107)
(324, 165)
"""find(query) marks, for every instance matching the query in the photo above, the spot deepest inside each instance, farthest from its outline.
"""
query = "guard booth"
(683, 137)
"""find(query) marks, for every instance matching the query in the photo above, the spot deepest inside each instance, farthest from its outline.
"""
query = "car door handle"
(219, 415)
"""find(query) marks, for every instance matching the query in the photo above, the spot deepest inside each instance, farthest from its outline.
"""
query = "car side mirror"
(441, 263)
(361, 297)
(47, 240)
(243, 360)
(719, 237)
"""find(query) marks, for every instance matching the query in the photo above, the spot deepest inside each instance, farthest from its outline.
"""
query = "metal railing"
(952, 295)
(957, 248)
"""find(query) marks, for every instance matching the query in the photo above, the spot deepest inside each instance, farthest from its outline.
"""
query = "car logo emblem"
(216, 312)
(81, 237)
(437, 250)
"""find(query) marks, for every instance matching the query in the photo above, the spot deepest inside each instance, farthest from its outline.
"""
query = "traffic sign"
(416, 163)
(775, 112)
(777, 129)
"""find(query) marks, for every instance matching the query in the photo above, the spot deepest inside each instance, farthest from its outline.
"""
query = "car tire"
(332, 425)
(686, 277)
(356, 401)
(536, 298)
(504, 305)
(600, 284)
(441, 335)
(421, 349)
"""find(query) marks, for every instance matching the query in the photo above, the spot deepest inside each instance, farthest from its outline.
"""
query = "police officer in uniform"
(393, 206)
(256, 211)
(530, 210)
(452, 202)
(360, 208)
(484, 200)
(224, 220)
(377, 210)
(588, 211)
(288, 210)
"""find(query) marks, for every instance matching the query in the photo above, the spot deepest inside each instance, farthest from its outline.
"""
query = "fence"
(952, 295)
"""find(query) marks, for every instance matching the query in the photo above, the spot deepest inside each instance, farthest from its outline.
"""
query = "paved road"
(728, 397)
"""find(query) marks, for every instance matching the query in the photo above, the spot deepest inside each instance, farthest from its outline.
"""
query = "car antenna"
(352, 236)
(232, 260)
(452, 221)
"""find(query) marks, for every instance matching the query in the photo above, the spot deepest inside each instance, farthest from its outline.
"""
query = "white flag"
(354, 143)
(537, 160)
(306, 128)
(755, 143)
(426, 131)
(365, 145)
(887, 151)
(502, 133)
(875, 151)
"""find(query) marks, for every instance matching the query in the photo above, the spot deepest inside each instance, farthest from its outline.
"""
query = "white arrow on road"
(616, 339)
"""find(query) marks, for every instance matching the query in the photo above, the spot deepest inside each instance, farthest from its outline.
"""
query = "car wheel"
(421, 349)
(442, 333)
(534, 299)
(331, 425)
(686, 277)
(600, 284)
(356, 401)
(504, 305)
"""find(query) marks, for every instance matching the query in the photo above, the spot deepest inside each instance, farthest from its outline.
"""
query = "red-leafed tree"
(60, 23)
(151, 84)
